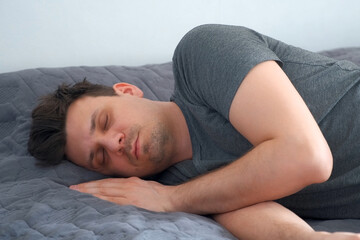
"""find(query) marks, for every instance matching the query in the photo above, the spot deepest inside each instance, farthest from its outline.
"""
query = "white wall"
(54, 33)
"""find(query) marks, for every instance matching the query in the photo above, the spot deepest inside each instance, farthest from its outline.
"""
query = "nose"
(112, 141)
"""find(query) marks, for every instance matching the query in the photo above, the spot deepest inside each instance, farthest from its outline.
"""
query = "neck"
(180, 130)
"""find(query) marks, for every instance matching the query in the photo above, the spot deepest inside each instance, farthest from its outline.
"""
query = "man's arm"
(266, 220)
(289, 151)
(269, 220)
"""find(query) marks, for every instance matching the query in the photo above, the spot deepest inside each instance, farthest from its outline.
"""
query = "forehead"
(81, 106)
(80, 111)
(85, 106)
(77, 128)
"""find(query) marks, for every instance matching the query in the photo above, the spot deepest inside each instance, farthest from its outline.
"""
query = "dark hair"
(47, 135)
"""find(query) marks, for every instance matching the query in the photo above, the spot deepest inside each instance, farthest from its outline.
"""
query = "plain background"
(57, 33)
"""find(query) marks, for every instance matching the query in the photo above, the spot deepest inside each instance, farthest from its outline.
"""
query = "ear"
(127, 88)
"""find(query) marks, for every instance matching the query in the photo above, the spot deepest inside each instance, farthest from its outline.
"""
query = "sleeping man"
(254, 127)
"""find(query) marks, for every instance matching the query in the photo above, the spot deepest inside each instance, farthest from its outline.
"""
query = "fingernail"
(74, 187)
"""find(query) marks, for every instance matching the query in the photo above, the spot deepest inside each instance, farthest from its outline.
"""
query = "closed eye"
(106, 122)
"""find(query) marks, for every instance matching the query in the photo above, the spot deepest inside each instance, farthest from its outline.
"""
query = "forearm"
(270, 171)
(267, 220)
(270, 220)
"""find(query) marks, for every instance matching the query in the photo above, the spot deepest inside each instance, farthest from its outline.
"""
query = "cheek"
(77, 161)
(118, 167)
(158, 147)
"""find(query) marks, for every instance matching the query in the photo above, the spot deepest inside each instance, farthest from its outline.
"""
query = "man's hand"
(150, 195)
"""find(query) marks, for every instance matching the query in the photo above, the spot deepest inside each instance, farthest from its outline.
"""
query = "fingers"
(83, 186)
(105, 191)
(109, 190)
(105, 183)
(130, 191)
(117, 200)
(110, 187)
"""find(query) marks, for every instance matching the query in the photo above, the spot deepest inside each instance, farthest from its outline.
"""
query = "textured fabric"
(209, 65)
(36, 203)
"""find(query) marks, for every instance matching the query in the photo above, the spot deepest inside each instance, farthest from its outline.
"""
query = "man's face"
(123, 135)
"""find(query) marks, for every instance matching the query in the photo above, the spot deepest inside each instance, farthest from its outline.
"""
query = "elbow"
(323, 164)
(317, 162)
(311, 160)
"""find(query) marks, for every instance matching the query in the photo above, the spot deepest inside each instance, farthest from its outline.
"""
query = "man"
(251, 120)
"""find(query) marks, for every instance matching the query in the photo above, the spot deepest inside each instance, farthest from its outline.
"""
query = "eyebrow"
(93, 121)
(92, 130)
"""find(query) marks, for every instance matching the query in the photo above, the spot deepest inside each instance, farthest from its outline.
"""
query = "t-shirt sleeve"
(211, 61)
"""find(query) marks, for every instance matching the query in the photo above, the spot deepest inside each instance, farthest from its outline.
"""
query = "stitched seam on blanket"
(68, 74)
(147, 84)
(32, 90)
(107, 69)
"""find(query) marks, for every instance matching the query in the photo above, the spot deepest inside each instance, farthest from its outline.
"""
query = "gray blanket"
(36, 203)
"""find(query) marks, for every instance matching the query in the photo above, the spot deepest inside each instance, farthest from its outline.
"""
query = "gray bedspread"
(36, 203)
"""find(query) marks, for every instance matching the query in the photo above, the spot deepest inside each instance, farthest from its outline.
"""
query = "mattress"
(35, 201)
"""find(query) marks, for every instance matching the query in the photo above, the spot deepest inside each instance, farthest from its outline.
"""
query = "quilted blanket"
(35, 201)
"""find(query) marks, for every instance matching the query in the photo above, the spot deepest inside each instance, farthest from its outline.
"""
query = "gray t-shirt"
(209, 65)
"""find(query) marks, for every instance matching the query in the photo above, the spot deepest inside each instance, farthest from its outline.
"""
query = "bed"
(35, 201)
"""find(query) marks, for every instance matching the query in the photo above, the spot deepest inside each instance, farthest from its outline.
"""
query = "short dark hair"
(47, 135)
